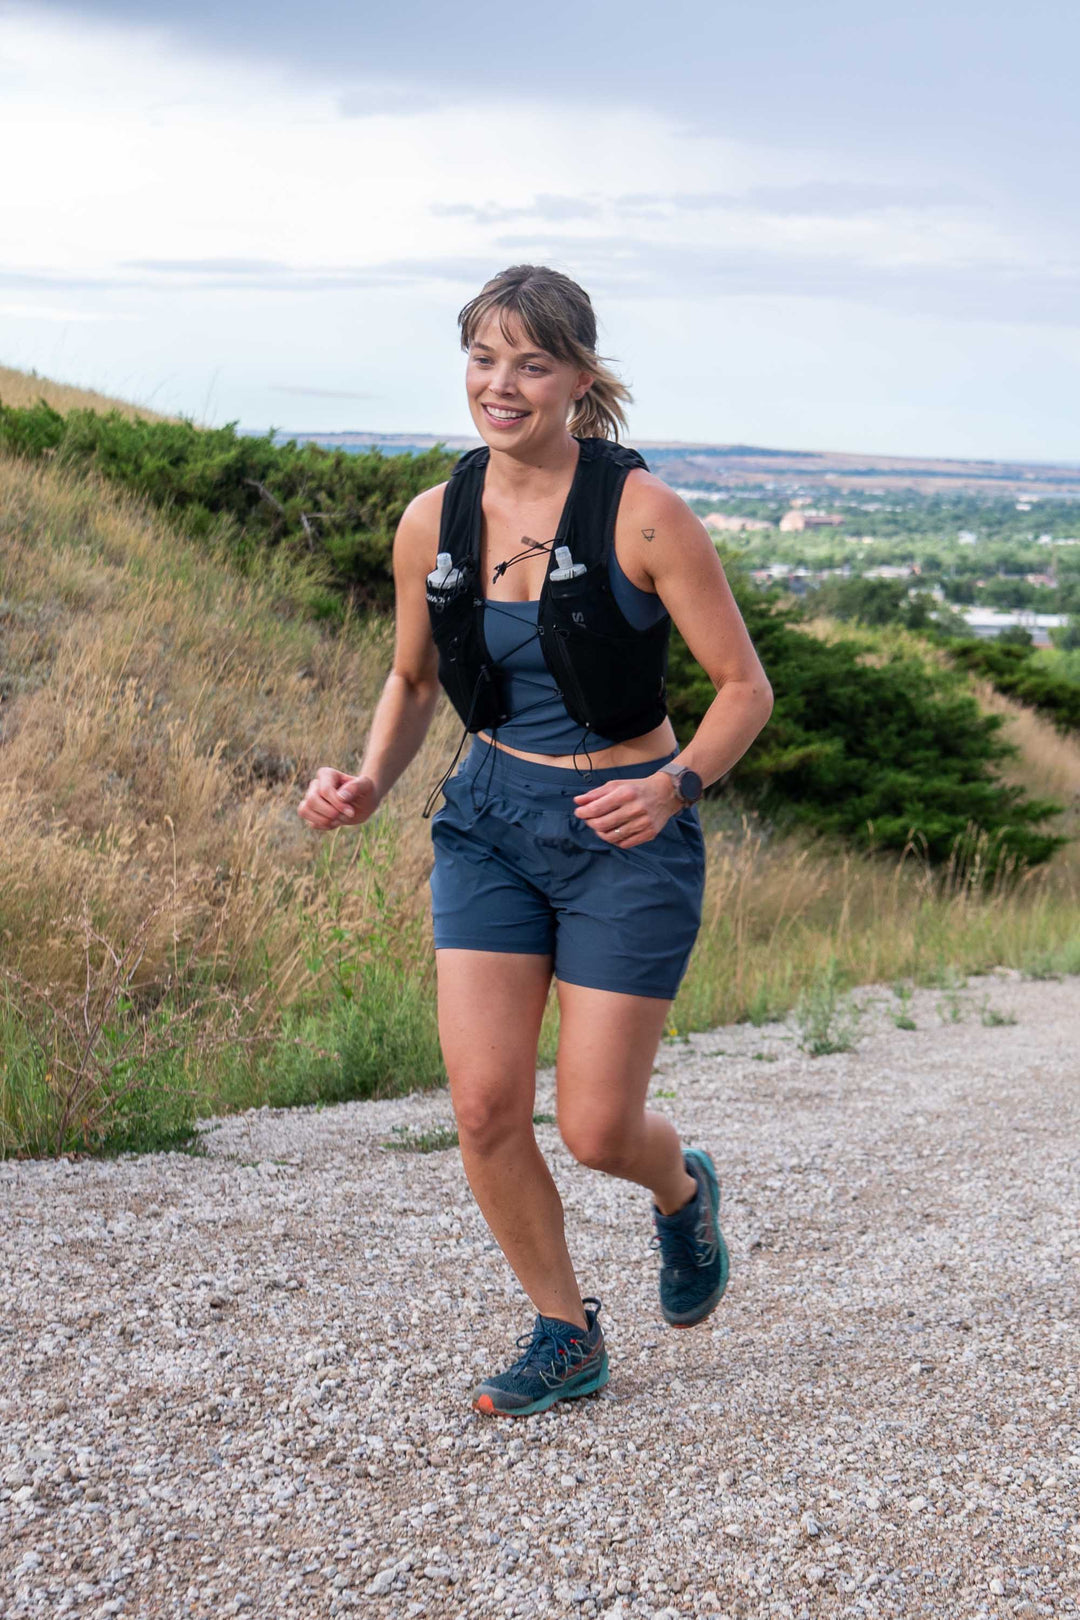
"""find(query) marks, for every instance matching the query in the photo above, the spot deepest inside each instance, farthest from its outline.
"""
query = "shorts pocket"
(688, 824)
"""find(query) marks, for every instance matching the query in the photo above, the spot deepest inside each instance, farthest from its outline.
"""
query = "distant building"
(987, 623)
(966, 537)
(729, 521)
(808, 519)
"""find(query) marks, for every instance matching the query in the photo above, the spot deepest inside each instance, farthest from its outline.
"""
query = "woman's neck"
(533, 475)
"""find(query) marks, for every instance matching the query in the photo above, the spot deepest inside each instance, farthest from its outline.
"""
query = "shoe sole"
(588, 1386)
(708, 1305)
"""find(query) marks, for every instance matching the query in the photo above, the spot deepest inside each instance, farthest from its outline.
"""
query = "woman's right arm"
(404, 710)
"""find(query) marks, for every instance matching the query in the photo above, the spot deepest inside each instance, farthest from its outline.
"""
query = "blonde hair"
(558, 316)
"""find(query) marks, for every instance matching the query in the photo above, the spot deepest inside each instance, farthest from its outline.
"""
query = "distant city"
(985, 545)
(728, 467)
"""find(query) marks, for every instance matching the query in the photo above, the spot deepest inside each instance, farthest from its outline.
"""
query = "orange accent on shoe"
(485, 1404)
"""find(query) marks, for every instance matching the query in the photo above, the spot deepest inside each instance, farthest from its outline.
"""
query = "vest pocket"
(562, 663)
(610, 674)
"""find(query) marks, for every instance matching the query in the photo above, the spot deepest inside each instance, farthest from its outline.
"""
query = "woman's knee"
(601, 1142)
(488, 1115)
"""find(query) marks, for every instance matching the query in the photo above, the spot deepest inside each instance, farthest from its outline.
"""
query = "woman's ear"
(584, 383)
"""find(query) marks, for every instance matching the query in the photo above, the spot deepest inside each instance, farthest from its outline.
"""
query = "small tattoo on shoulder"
(648, 534)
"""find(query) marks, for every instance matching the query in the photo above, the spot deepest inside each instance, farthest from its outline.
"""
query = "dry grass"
(1049, 762)
(21, 388)
(160, 716)
(25, 387)
(781, 917)
(160, 719)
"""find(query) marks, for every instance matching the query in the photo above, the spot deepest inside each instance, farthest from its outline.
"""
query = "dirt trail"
(238, 1383)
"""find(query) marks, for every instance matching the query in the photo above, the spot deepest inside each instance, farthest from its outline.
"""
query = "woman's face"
(519, 395)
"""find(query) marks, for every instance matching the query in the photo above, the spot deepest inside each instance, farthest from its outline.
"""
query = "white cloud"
(46, 312)
(196, 228)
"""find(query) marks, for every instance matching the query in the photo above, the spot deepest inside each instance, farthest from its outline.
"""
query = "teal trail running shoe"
(694, 1259)
(561, 1360)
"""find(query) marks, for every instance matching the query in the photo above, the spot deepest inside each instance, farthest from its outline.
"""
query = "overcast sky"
(803, 225)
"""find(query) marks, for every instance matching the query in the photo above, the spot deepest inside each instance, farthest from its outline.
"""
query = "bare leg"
(607, 1046)
(490, 1007)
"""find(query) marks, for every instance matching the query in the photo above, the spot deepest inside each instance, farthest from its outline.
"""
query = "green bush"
(327, 502)
(871, 601)
(877, 753)
(1015, 671)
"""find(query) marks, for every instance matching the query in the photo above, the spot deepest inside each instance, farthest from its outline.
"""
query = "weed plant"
(408, 1139)
(954, 1006)
(902, 1017)
(825, 1016)
(437, 1138)
(992, 1018)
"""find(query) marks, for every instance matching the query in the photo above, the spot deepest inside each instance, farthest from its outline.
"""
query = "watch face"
(690, 786)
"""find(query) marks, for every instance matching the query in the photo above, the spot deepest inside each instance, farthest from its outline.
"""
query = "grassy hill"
(23, 388)
(177, 942)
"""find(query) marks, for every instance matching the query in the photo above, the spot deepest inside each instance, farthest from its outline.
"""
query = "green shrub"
(1014, 670)
(871, 601)
(879, 754)
(327, 502)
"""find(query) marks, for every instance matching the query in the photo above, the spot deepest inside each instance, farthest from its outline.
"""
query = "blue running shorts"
(516, 870)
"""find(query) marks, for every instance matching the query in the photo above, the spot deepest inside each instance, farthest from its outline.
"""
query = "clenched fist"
(334, 799)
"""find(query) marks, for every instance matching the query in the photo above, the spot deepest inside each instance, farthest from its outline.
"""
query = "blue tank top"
(539, 723)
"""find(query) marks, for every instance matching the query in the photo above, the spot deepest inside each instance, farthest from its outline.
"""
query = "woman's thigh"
(607, 1048)
(491, 1004)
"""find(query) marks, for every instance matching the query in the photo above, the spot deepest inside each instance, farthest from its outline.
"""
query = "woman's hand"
(334, 799)
(629, 812)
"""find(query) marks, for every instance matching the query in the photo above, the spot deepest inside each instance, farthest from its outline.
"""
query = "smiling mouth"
(499, 413)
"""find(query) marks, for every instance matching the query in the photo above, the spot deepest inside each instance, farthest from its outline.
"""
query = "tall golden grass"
(161, 715)
(22, 388)
(161, 719)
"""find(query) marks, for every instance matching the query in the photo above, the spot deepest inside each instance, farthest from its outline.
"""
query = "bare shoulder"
(656, 531)
(674, 550)
(417, 535)
(645, 492)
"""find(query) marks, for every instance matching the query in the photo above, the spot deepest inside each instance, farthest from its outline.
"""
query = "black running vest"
(612, 676)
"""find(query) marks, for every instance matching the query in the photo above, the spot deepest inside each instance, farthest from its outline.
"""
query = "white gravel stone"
(239, 1383)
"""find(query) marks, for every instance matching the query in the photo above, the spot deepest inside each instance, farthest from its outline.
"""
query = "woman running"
(537, 586)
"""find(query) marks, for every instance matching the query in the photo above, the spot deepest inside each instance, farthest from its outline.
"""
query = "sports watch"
(688, 784)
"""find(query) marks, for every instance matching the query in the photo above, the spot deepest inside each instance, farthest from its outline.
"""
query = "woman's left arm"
(663, 545)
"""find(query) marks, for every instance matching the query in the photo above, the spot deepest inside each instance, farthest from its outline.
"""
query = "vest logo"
(578, 618)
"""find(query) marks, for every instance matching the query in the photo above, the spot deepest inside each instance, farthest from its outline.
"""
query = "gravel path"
(238, 1383)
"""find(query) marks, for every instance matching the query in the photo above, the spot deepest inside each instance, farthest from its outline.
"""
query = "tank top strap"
(640, 608)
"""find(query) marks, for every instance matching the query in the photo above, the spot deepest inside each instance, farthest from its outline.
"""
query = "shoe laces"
(548, 1353)
(695, 1246)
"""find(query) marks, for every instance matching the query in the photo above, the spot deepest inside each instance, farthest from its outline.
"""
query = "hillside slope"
(21, 388)
(160, 715)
